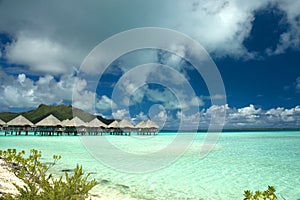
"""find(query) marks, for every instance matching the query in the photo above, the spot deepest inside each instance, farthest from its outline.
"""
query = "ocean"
(156, 167)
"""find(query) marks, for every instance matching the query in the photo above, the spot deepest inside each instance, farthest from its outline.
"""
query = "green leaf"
(39, 186)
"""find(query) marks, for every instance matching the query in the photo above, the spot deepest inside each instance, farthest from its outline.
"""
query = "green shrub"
(39, 185)
(267, 194)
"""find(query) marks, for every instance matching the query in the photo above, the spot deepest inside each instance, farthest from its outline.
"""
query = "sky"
(253, 45)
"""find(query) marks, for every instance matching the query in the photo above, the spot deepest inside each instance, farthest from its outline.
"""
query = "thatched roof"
(141, 125)
(114, 124)
(20, 121)
(95, 123)
(75, 122)
(125, 124)
(2, 123)
(151, 124)
(49, 121)
(64, 122)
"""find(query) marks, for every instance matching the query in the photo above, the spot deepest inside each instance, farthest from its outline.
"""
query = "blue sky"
(254, 45)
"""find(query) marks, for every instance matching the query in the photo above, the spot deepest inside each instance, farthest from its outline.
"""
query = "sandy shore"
(7, 178)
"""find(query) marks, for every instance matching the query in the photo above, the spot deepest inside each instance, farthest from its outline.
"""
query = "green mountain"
(62, 112)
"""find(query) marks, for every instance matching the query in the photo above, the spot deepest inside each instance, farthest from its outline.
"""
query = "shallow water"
(239, 161)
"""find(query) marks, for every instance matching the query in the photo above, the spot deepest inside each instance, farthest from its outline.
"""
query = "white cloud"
(52, 45)
(174, 58)
(160, 118)
(81, 97)
(173, 101)
(248, 113)
(20, 92)
(204, 20)
(105, 103)
(121, 114)
(140, 117)
(165, 96)
(57, 42)
(246, 117)
(42, 55)
(188, 121)
(196, 101)
(282, 114)
(174, 91)
(289, 39)
(23, 92)
(216, 108)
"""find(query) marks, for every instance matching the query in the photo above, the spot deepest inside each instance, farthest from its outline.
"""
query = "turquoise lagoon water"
(239, 161)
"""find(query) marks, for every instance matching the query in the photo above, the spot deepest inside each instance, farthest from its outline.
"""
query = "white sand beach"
(7, 178)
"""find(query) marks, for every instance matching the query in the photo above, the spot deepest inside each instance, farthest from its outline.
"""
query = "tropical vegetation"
(257, 195)
(41, 185)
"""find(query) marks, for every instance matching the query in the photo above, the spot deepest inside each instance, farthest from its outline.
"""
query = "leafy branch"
(39, 185)
(267, 194)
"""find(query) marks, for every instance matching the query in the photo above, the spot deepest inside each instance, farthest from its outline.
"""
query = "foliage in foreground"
(267, 194)
(39, 185)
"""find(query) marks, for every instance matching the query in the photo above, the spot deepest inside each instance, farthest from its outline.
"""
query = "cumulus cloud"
(276, 115)
(54, 41)
(42, 55)
(81, 97)
(60, 38)
(246, 117)
(140, 117)
(169, 99)
(158, 84)
(161, 118)
(22, 92)
(248, 113)
(188, 121)
(105, 103)
(290, 38)
(121, 114)
(203, 20)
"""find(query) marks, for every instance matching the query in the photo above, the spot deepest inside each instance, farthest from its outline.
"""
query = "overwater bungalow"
(151, 127)
(2, 124)
(49, 126)
(147, 128)
(126, 127)
(75, 126)
(64, 122)
(96, 126)
(140, 127)
(113, 128)
(19, 124)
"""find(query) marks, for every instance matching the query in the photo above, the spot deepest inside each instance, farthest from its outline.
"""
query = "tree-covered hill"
(61, 112)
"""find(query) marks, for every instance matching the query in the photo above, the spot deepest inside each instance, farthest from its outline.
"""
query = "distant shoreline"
(235, 130)
(168, 132)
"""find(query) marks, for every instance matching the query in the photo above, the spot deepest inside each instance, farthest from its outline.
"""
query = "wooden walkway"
(37, 131)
